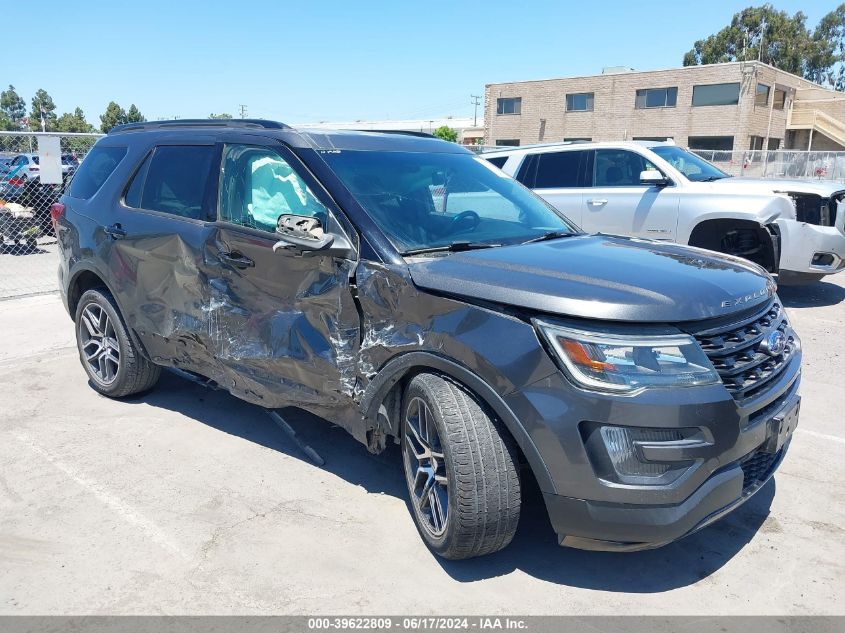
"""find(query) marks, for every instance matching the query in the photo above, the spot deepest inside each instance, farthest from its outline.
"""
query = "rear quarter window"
(498, 161)
(98, 165)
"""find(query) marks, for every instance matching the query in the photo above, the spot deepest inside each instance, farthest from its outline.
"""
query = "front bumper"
(804, 245)
(589, 512)
(623, 528)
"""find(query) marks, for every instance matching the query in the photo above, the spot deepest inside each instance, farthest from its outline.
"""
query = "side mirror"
(653, 178)
(305, 236)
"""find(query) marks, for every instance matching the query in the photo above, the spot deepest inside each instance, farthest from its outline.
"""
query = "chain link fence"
(28, 250)
(778, 163)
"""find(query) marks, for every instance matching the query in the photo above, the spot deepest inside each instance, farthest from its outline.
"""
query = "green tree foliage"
(42, 105)
(827, 66)
(133, 115)
(446, 133)
(763, 33)
(222, 115)
(114, 115)
(12, 109)
(73, 122)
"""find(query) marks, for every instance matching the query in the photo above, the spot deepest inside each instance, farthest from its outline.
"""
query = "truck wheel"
(114, 365)
(461, 470)
(743, 243)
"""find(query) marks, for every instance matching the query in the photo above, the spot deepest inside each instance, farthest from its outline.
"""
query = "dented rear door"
(153, 243)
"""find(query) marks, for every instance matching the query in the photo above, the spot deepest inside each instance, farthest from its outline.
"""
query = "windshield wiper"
(453, 247)
(551, 235)
(712, 178)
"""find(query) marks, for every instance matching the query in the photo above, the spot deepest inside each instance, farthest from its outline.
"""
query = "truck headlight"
(620, 363)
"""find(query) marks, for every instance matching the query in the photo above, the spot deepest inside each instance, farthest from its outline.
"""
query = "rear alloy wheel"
(98, 343)
(461, 469)
(114, 364)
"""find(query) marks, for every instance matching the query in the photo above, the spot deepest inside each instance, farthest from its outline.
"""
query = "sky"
(313, 60)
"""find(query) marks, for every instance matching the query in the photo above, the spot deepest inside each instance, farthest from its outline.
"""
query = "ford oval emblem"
(774, 344)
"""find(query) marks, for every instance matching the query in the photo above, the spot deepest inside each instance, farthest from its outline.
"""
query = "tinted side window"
(133, 193)
(95, 170)
(558, 169)
(619, 168)
(259, 185)
(498, 161)
(173, 180)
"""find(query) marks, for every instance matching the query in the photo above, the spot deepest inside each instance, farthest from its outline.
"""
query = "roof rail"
(217, 123)
(403, 132)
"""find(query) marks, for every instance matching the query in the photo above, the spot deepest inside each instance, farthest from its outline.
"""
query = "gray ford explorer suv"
(406, 290)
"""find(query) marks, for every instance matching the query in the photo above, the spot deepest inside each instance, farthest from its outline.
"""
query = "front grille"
(757, 467)
(735, 352)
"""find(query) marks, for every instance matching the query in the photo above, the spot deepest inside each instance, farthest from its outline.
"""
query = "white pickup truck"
(661, 191)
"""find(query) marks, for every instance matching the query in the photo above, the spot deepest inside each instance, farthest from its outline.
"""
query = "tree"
(73, 122)
(12, 109)
(42, 106)
(114, 115)
(446, 133)
(219, 116)
(774, 37)
(133, 115)
(827, 66)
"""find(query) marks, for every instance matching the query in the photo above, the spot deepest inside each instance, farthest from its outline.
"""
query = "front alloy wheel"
(461, 467)
(425, 467)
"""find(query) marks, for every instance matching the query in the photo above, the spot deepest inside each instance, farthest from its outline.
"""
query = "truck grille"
(735, 352)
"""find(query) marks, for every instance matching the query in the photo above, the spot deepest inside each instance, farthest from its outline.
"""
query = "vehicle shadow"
(820, 293)
(533, 551)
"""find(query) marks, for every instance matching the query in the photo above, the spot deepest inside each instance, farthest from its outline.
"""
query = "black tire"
(481, 470)
(134, 373)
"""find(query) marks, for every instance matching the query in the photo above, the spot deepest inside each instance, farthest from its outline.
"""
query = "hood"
(822, 188)
(600, 277)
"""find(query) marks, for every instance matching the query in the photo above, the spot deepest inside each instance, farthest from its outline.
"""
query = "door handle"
(597, 202)
(115, 231)
(237, 260)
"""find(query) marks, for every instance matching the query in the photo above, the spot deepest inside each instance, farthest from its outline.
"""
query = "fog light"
(822, 259)
(641, 456)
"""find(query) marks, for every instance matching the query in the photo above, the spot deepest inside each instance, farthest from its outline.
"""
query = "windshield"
(428, 200)
(693, 167)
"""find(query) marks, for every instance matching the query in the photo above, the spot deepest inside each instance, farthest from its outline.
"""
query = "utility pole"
(476, 101)
(243, 110)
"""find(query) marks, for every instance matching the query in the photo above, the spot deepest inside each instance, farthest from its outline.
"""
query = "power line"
(476, 101)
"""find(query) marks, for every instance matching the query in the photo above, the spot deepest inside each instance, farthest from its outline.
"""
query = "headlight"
(613, 362)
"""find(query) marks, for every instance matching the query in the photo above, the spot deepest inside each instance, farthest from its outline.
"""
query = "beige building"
(739, 105)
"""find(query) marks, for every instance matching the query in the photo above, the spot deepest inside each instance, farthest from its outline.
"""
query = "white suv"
(661, 191)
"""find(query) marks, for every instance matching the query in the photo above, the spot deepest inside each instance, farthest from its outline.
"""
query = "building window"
(656, 98)
(507, 142)
(659, 139)
(762, 96)
(580, 102)
(757, 143)
(711, 142)
(572, 139)
(509, 105)
(780, 99)
(715, 94)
